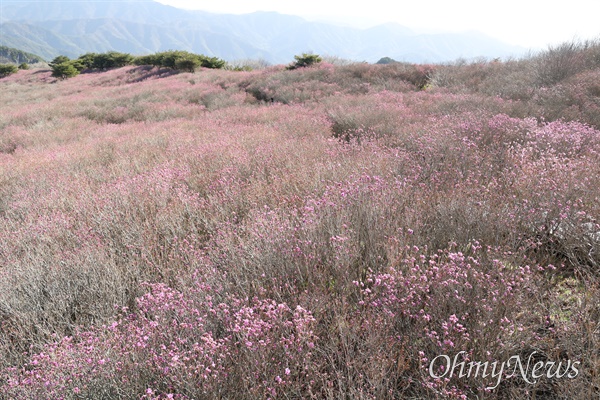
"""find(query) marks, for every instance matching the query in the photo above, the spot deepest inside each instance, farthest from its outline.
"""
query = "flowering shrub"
(177, 344)
(169, 235)
(444, 302)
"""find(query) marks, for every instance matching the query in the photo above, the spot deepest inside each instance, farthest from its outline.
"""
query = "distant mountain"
(53, 27)
(147, 11)
(37, 40)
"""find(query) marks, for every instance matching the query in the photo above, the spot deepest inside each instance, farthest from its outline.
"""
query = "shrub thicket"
(305, 60)
(7, 69)
(248, 65)
(64, 70)
(562, 61)
(180, 60)
(154, 60)
(558, 83)
(63, 67)
(59, 60)
(283, 263)
(187, 64)
(104, 61)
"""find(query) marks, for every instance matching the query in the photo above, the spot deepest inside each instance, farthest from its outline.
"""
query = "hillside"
(323, 232)
(16, 56)
(50, 28)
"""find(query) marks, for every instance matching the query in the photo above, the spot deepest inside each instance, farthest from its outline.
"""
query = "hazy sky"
(530, 23)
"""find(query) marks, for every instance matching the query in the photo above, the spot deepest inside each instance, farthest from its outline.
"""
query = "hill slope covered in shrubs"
(321, 232)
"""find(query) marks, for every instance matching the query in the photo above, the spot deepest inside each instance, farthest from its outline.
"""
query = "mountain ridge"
(50, 28)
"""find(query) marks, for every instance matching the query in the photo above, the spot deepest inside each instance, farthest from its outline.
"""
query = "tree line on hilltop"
(63, 67)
